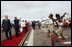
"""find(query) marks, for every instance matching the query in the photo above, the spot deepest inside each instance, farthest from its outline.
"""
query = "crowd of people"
(18, 23)
(7, 26)
(64, 24)
(36, 23)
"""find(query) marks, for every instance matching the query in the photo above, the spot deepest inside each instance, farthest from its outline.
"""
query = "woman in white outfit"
(23, 26)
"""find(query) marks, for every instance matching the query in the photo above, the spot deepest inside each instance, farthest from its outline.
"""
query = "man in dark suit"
(39, 24)
(16, 25)
(33, 25)
(6, 26)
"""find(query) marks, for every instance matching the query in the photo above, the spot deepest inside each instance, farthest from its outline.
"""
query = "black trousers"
(6, 33)
(17, 32)
(33, 27)
(26, 29)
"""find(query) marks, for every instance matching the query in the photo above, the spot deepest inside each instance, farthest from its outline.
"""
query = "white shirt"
(22, 24)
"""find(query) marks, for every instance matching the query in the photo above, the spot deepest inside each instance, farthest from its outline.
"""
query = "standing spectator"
(39, 25)
(33, 25)
(6, 26)
(16, 24)
(69, 22)
(65, 24)
(26, 25)
(23, 25)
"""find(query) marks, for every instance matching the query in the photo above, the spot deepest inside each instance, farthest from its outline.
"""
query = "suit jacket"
(33, 23)
(16, 23)
(6, 24)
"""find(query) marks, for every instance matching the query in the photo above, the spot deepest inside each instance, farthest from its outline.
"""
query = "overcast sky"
(34, 9)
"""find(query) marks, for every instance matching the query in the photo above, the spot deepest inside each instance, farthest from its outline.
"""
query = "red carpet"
(14, 41)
